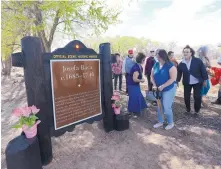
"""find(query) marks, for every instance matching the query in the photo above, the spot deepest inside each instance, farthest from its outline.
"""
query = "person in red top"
(216, 79)
(117, 71)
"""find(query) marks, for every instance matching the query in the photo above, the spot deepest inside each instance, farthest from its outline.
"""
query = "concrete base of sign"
(121, 121)
(23, 153)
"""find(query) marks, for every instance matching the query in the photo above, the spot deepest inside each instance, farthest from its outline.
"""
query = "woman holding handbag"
(163, 77)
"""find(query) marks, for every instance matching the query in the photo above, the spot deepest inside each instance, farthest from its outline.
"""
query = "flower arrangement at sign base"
(116, 103)
(28, 120)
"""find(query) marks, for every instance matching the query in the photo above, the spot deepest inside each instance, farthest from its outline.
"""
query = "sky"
(193, 22)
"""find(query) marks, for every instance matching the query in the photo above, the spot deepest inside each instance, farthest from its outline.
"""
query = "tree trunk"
(3, 66)
(46, 46)
(7, 65)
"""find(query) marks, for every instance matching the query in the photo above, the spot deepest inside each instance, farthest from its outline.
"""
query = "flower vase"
(30, 132)
(117, 110)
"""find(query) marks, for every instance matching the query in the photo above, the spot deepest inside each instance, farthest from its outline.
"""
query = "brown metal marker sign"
(75, 90)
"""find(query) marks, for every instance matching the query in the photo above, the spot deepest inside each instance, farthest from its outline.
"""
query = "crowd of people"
(163, 73)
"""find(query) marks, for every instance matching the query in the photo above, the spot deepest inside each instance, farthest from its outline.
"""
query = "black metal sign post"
(37, 76)
(32, 61)
(107, 86)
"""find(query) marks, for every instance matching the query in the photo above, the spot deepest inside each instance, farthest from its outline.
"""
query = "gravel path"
(193, 144)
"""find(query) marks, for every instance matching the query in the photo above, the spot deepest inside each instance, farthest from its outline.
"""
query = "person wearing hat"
(127, 65)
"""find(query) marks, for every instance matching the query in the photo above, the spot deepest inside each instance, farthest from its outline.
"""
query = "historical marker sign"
(75, 90)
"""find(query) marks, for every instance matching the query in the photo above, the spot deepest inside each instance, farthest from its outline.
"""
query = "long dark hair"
(163, 55)
(140, 57)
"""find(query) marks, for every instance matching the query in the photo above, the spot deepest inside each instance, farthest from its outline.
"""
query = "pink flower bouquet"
(28, 120)
(116, 93)
(115, 98)
(116, 104)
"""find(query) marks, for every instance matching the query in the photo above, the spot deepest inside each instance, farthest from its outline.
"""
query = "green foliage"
(121, 44)
(44, 18)
(117, 104)
(9, 31)
(28, 121)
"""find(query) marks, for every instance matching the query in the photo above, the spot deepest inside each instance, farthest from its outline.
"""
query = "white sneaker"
(134, 116)
(158, 125)
(169, 126)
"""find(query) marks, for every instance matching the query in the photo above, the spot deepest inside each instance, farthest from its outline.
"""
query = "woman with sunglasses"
(136, 101)
(163, 77)
(194, 76)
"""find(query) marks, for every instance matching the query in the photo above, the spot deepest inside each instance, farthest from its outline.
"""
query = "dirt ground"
(194, 143)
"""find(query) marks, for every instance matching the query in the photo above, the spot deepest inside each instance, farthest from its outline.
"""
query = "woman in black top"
(194, 76)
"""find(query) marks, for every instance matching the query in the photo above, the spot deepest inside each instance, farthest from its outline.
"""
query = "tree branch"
(54, 26)
(14, 44)
(38, 22)
(73, 20)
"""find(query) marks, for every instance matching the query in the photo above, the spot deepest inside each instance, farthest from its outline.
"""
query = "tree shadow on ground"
(90, 147)
(199, 138)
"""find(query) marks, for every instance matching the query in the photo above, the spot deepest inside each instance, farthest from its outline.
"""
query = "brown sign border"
(52, 88)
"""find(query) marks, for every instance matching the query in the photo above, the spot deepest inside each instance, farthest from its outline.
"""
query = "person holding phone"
(163, 77)
(136, 101)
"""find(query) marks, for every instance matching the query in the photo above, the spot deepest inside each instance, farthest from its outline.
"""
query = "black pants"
(196, 95)
(116, 77)
(150, 85)
(126, 77)
(219, 97)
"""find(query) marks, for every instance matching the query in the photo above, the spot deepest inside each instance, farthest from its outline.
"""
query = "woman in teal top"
(163, 77)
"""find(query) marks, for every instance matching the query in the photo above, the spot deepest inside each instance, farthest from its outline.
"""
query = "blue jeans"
(167, 102)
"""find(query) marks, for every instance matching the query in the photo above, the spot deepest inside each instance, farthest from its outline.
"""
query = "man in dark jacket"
(194, 76)
(148, 67)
